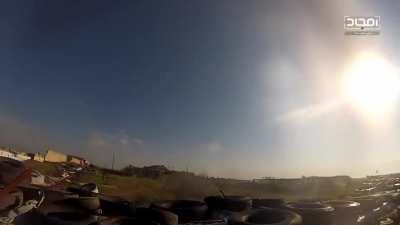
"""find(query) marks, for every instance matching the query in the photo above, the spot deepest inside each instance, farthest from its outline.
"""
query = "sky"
(240, 89)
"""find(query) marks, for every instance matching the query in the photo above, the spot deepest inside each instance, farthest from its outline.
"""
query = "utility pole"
(113, 161)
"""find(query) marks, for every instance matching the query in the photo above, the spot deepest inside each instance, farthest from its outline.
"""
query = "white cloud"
(100, 148)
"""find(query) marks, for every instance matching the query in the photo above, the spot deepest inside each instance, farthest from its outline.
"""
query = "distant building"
(77, 160)
(20, 156)
(54, 156)
(8, 154)
(154, 171)
(38, 157)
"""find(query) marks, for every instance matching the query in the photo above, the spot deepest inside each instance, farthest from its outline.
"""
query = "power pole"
(113, 161)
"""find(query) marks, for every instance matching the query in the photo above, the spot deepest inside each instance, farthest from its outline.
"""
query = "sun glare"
(372, 86)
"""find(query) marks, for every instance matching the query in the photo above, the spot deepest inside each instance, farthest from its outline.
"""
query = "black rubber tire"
(276, 203)
(152, 215)
(89, 187)
(123, 221)
(59, 213)
(114, 206)
(84, 203)
(187, 210)
(313, 213)
(269, 216)
(70, 218)
(231, 203)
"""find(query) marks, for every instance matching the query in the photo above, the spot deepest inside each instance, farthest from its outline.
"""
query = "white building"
(20, 156)
(38, 157)
(8, 154)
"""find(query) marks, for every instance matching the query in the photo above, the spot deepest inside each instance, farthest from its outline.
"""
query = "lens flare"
(372, 86)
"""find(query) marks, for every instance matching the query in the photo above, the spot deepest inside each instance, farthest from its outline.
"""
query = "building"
(8, 154)
(22, 156)
(38, 157)
(54, 156)
(77, 160)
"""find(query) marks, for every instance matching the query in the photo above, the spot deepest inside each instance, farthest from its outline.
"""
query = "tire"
(65, 214)
(187, 210)
(231, 203)
(159, 216)
(367, 203)
(276, 203)
(313, 213)
(70, 218)
(386, 221)
(113, 206)
(90, 187)
(122, 221)
(84, 203)
(346, 212)
(270, 216)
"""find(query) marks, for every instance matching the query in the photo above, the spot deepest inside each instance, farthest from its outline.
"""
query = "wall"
(54, 156)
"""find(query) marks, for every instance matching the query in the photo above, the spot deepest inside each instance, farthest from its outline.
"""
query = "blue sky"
(213, 86)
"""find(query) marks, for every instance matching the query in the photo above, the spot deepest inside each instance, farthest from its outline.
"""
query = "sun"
(371, 85)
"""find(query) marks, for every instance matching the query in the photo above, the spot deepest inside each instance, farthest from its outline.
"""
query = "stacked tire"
(313, 213)
(269, 216)
(346, 212)
(155, 216)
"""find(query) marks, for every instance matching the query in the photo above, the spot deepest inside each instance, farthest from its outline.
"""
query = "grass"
(189, 186)
(128, 187)
(46, 168)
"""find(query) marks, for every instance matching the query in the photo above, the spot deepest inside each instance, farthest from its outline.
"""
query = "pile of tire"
(240, 210)
(346, 212)
(74, 210)
(313, 213)
(372, 219)
(268, 216)
(367, 203)
(155, 216)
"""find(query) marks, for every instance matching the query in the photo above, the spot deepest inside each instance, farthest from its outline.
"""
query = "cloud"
(309, 112)
(214, 147)
(100, 148)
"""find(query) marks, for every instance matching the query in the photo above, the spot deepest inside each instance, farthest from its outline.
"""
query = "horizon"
(239, 89)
